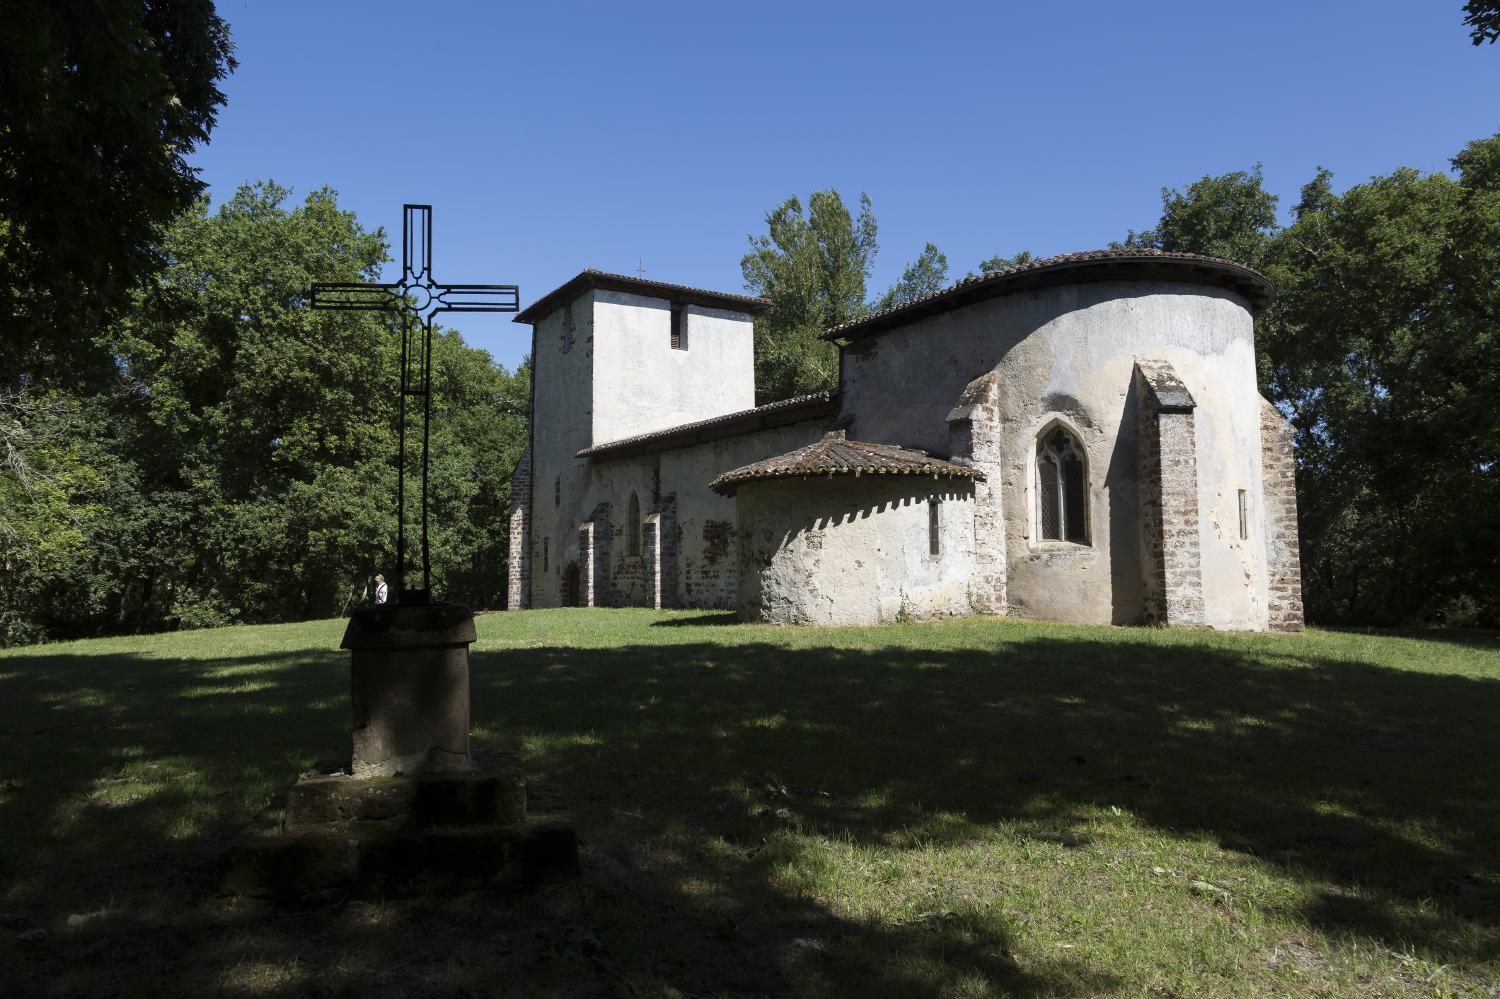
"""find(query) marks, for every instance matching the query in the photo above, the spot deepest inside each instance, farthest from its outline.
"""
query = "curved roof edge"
(1070, 268)
(835, 455)
(685, 294)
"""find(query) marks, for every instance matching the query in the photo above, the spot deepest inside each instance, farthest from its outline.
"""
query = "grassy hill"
(967, 808)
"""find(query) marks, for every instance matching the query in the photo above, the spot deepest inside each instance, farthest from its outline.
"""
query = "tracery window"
(1062, 500)
(633, 528)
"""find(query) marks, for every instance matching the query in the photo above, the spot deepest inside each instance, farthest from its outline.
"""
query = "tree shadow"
(1377, 782)
(687, 764)
(699, 620)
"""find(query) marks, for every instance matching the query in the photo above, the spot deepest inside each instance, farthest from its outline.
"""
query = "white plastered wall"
(847, 550)
(1069, 353)
(644, 385)
(562, 425)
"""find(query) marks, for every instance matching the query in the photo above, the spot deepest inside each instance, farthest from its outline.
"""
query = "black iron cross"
(415, 296)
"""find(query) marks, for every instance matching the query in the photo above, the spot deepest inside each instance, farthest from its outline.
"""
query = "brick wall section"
(1283, 549)
(593, 558)
(1171, 558)
(974, 441)
(518, 566)
(712, 580)
(651, 557)
(586, 565)
(663, 556)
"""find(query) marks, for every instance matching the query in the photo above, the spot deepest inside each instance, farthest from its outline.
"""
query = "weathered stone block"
(409, 687)
(492, 796)
(374, 860)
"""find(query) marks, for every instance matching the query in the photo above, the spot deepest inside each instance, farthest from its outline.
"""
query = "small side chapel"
(1078, 439)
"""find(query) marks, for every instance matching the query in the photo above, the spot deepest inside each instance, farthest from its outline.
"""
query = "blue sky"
(553, 137)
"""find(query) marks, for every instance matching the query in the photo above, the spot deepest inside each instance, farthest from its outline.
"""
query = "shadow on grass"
(684, 762)
(698, 620)
(1380, 783)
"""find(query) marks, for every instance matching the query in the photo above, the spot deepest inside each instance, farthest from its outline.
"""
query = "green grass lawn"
(968, 808)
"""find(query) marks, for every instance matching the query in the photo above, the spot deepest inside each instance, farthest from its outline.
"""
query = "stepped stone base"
(346, 836)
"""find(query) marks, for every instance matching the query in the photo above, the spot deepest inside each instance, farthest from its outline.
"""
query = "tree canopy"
(101, 101)
(1483, 19)
(813, 267)
(926, 275)
(241, 465)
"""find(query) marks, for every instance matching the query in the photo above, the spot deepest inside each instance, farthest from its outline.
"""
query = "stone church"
(1078, 439)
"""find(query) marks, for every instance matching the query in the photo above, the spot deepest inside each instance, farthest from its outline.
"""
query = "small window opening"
(679, 329)
(1062, 489)
(934, 535)
(544, 554)
(567, 327)
(633, 528)
(1244, 516)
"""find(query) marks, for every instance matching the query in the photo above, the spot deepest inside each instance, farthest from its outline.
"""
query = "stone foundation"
(345, 836)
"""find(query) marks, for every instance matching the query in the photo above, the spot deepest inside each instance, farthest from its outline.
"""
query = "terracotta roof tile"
(591, 278)
(835, 454)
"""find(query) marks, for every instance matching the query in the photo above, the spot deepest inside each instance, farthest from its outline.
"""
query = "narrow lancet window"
(934, 529)
(679, 329)
(1244, 517)
(1062, 488)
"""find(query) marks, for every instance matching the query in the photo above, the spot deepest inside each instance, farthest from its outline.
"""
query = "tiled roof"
(835, 454)
(591, 278)
(772, 414)
(1092, 265)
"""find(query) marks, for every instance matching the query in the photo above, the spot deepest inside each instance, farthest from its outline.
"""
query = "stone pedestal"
(409, 688)
(413, 810)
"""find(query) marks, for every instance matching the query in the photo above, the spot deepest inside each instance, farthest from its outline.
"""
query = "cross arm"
(355, 297)
(478, 298)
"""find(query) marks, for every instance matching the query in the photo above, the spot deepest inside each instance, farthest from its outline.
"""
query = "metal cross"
(641, 268)
(415, 297)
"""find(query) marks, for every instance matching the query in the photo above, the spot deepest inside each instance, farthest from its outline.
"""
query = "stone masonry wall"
(593, 558)
(518, 566)
(1171, 557)
(1283, 550)
(662, 555)
(974, 440)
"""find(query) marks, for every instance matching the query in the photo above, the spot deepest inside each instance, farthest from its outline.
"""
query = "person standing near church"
(382, 592)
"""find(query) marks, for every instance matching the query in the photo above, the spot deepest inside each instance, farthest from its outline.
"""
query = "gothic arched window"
(633, 527)
(1062, 488)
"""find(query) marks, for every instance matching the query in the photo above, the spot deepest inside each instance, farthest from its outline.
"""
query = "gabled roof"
(772, 414)
(591, 278)
(1070, 268)
(835, 454)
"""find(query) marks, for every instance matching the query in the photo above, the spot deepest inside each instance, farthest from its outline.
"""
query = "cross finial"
(415, 299)
(640, 268)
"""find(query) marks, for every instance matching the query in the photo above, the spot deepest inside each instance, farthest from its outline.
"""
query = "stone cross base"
(409, 688)
(412, 811)
(391, 836)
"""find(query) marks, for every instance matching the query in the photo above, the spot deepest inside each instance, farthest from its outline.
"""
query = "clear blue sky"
(550, 137)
